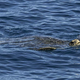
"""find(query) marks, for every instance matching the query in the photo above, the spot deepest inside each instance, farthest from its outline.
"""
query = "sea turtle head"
(75, 42)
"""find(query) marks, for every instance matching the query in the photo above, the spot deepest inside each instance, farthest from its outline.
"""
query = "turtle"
(52, 43)
(40, 42)
(73, 43)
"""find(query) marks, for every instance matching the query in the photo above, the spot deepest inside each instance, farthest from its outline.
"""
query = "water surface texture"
(55, 18)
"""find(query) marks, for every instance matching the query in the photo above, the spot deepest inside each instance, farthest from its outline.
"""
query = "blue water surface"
(55, 18)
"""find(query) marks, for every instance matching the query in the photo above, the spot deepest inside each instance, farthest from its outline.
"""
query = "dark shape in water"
(40, 43)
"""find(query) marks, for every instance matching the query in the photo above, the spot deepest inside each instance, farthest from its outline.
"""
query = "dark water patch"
(62, 15)
(14, 18)
(76, 11)
(19, 1)
(77, 3)
(6, 4)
